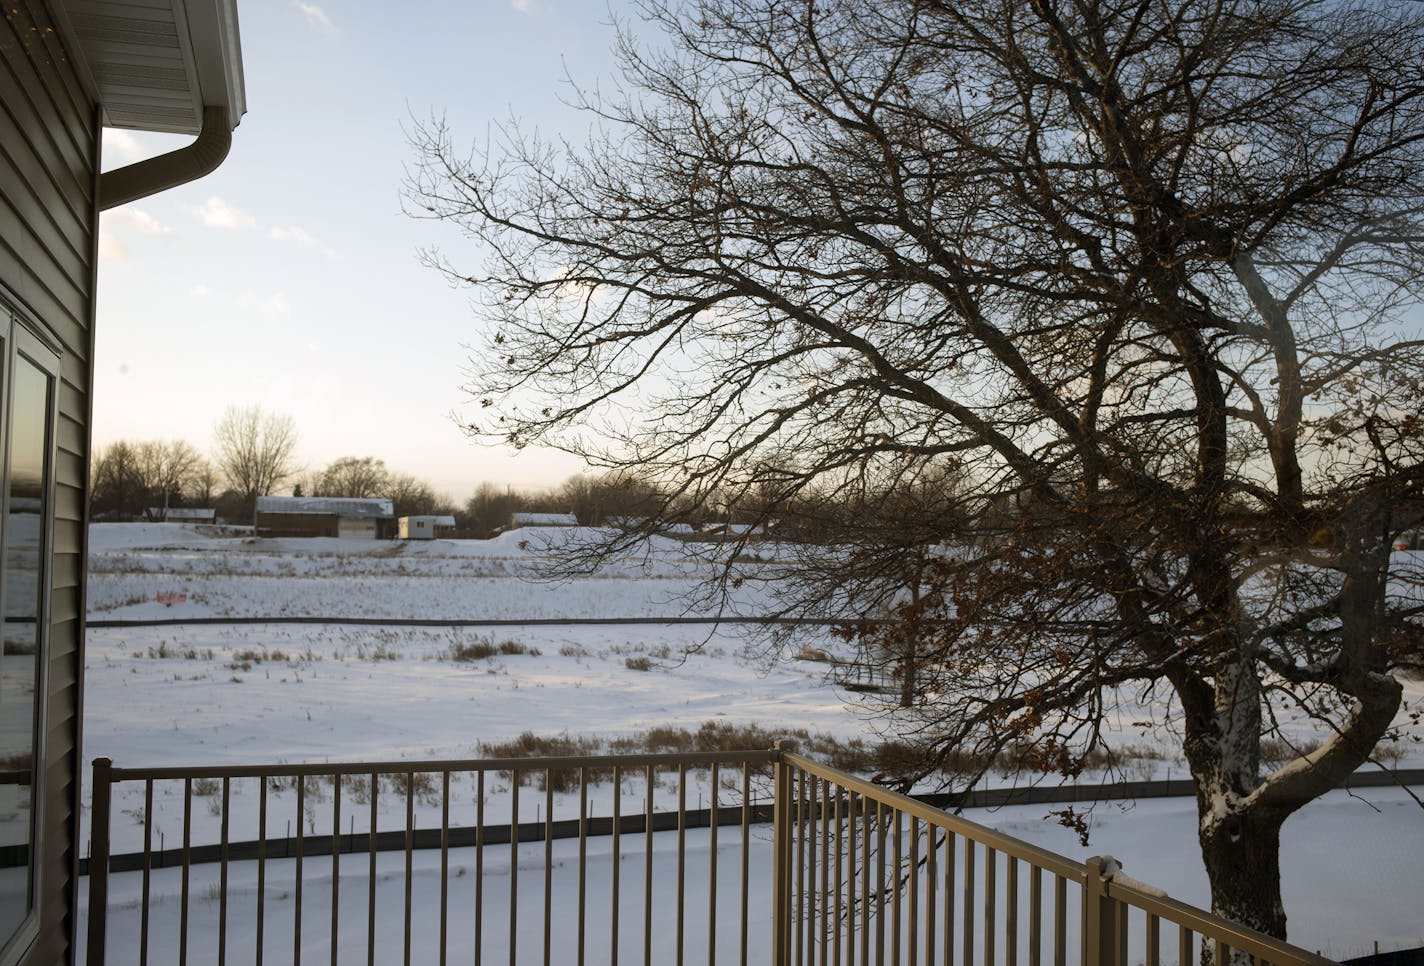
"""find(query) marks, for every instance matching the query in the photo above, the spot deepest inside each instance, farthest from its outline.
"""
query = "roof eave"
(156, 67)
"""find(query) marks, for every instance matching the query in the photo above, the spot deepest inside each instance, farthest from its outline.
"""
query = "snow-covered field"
(218, 694)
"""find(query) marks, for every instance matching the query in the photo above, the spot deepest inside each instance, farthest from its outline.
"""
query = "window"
(28, 375)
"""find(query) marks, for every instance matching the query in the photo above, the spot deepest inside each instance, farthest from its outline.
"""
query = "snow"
(196, 695)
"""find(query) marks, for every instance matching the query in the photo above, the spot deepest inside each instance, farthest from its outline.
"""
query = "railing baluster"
(1154, 940)
(991, 917)
(261, 861)
(931, 882)
(615, 905)
(548, 864)
(1060, 921)
(827, 912)
(882, 886)
(852, 844)
(297, 910)
(949, 919)
(800, 915)
(866, 829)
(1122, 911)
(409, 856)
(649, 778)
(222, 873)
(480, 866)
(1184, 946)
(583, 861)
(371, 879)
(914, 873)
(1011, 910)
(335, 864)
(746, 835)
(187, 862)
(148, 870)
(968, 911)
(840, 848)
(1035, 915)
(681, 856)
(712, 870)
(444, 865)
(514, 868)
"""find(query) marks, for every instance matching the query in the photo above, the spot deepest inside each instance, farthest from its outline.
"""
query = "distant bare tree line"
(253, 455)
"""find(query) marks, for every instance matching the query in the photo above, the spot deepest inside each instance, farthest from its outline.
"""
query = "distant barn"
(322, 516)
(180, 514)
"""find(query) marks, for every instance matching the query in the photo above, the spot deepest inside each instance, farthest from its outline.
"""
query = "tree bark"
(1242, 852)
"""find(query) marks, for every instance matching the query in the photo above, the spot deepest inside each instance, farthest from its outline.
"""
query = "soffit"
(155, 64)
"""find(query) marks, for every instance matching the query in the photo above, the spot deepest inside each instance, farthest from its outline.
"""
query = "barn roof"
(176, 513)
(544, 520)
(348, 507)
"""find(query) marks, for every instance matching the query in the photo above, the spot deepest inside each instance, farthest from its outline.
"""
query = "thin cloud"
(123, 222)
(300, 237)
(217, 213)
(521, 5)
(316, 16)
(274, 304)
(121, 144)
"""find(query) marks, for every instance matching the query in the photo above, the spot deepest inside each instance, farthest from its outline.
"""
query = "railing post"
(782, 821)
(99, 860)
(1099, 913)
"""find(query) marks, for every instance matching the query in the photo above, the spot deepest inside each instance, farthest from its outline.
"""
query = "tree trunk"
(909, 672)
(909, 662)
(1242, 852)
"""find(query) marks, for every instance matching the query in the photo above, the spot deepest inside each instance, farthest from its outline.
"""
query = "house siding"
(49, 154)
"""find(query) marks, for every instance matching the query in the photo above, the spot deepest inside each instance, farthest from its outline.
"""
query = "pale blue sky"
(289, 276)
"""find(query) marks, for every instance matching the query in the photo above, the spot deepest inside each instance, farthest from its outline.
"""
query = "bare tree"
(130, 479)
(205, 484)
(1139, 269)
(254, 451)
(415, 497)
(169, 470)
(118, 488)
(353, 476)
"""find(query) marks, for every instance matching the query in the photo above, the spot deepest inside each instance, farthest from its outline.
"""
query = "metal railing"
(431, 861)
(871, 876)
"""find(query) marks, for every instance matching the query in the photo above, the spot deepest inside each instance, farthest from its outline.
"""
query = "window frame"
(21, 337)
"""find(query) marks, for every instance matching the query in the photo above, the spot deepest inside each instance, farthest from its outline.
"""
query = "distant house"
(735, 531)
(425, 527)
(323, 516)
(650, 525)
(180, 514)
(517, 520)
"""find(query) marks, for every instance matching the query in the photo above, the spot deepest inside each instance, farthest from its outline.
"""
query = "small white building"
(426, 527)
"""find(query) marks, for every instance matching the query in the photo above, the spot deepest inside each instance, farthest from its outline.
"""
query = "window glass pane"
(24, 541)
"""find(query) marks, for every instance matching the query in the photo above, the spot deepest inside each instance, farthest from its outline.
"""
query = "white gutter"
(152, 175)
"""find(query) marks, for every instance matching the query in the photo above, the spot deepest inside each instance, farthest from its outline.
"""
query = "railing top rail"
(1237, 936)
(591, 762)
(1007, 844)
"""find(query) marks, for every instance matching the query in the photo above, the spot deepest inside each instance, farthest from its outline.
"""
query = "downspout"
(150, 176)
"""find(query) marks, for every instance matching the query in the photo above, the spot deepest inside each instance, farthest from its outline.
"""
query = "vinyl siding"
(48, 156)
